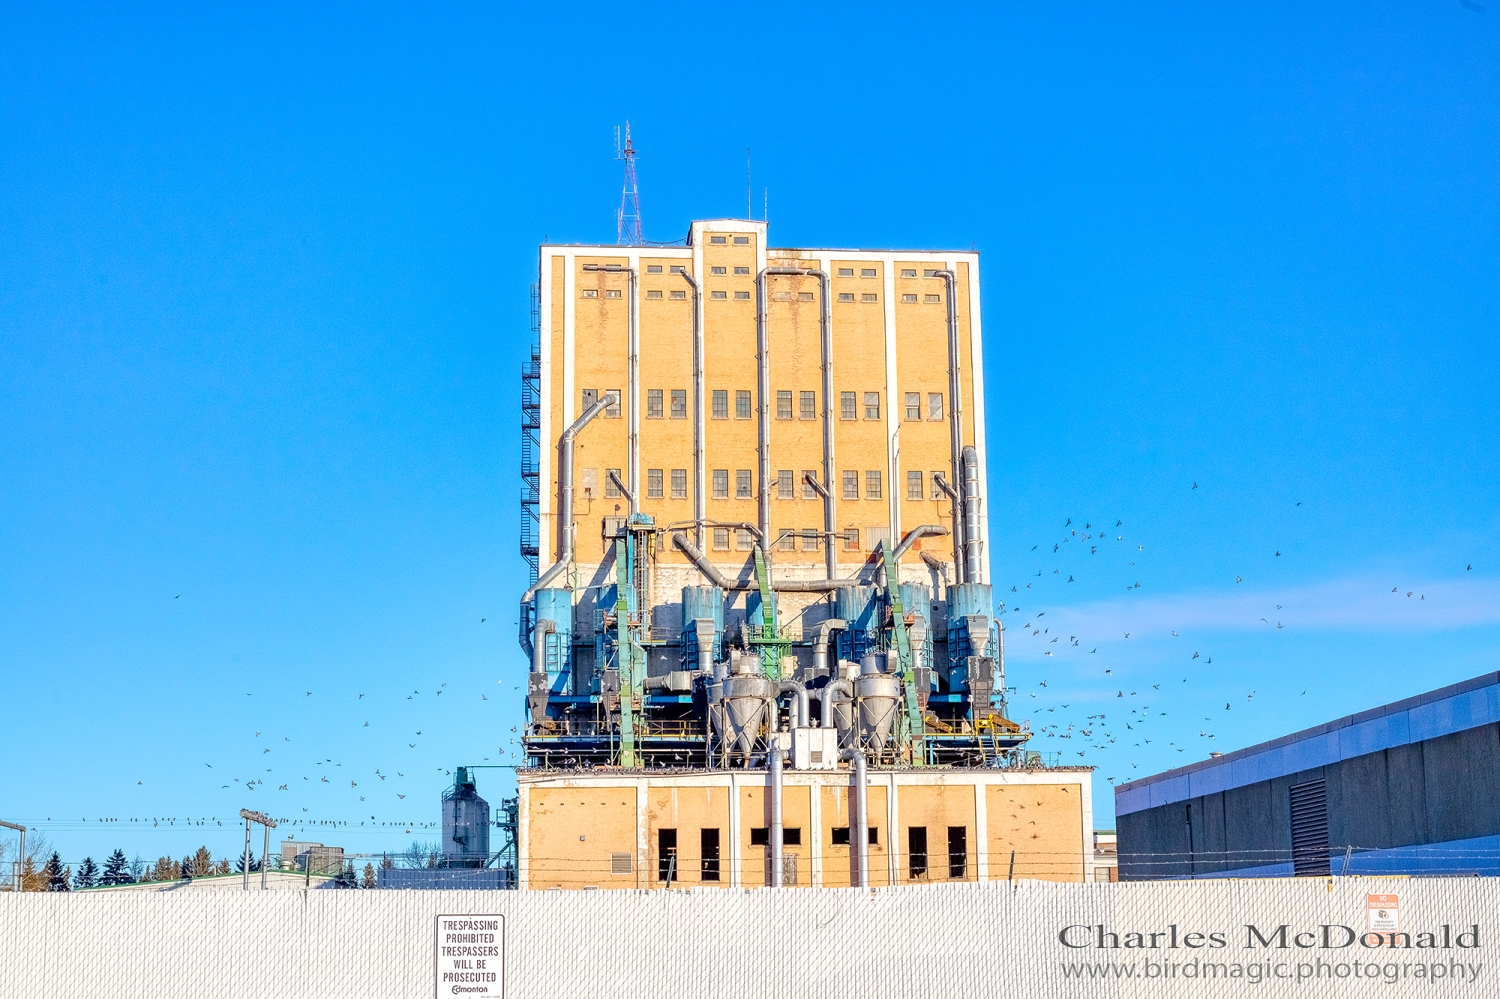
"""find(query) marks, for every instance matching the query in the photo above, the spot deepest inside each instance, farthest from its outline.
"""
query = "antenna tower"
(628, 218)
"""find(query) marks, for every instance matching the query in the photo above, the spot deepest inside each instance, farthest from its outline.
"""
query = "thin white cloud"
(1364, 604)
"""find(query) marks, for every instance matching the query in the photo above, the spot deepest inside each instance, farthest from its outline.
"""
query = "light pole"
(21, 857)
(268, 823)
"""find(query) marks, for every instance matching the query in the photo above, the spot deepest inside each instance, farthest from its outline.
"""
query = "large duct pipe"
(800, 711)
(565, 539)
(826, 696)
(703, 627)
(625, 490)
(820, 642)
(717, 578)
(915, 534)
(971, 515)
(862, 810)
(699, 513)
(958, 523)
(539, 645)
(763, 387)
(776, 830)
(955, 408)
(939, 570)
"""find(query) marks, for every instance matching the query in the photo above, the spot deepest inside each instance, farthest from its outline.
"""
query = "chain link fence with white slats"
(954, 940)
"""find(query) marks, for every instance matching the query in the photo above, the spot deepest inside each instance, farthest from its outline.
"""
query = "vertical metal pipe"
(265, 856)
(971, 515)
(776, 830)
(862, 813)
(763, 415)
(247, 855)
(955, 413)
(634, 389)
(699, 504)
(825, 320)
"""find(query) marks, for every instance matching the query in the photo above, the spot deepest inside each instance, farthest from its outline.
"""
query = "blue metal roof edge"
(1463, 705)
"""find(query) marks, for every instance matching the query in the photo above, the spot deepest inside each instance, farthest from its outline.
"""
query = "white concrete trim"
(523, 837)
(981, 832)
(544, 432)
(892, 415)
(815, 835)
(642, 845)
(735, 880)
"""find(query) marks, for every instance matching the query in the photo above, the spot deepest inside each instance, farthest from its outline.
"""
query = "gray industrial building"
(1409, 788)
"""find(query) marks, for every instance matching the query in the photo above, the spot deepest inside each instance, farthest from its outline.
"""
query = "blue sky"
(263, 299)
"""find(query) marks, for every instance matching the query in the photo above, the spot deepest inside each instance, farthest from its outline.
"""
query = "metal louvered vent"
(621, 863)
(1310, 830)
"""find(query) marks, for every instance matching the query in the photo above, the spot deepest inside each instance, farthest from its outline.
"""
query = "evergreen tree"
(57, 877)
(222, 867)
(368, 880)
(116, 870)
(31, 878)
(137, 869)
(239, 864)
(203, 863)
(87, 875)
(185, 867)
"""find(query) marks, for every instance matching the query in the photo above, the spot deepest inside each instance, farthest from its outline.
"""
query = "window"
(708, 842)
(848, 407)
(869, 296)
(679, 404)
(808, 492)
(932, 299)
(908, 272)
(742, 241)
(930, 272)
(610, 489)
(721, 539)
(866, 272)
(666, 855)
(653, 483)
(653, 268)
(846, 272)
(653, 404)
(810, 540)
(676, 269)
(958, 852)
(851, 485)
(718, 296)
(621, 863)
(916, 852)
(742, 404)
(742, 483)
(791, 836)
(612, 293)
(718, 270)
(908, 298)
(840, 835)
(851, 542)
(788, 541)
(742, 296)
(784, 488)
(721, 404)
(590, 396)
(679, 296)
(913, 405)
(744, 540)
(934, 405)
(718, 240)
(783, 405)
(721, 485)
(742, 270)
(613, 410)
(679, 483)
(761, 836)
(653, 294)
(872, 405)
(872, 485)
(937, 493)
(804, 296)
(807, 405)
(914, 485)
(846, 296)
(591, 293)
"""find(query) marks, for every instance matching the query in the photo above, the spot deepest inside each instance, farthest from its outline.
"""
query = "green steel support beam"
(914, 722)
(774, 649)
(625, 652)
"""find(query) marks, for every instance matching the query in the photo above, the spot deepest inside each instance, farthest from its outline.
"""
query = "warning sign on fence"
(469, 956)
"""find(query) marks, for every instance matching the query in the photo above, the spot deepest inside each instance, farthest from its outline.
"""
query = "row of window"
(786, 484)
(744, 296)
(722, 240)
(744, 404)
(918, 859)
(811, 538)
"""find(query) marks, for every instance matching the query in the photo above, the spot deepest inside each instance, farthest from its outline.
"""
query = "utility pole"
(21, 857)
(265, 854)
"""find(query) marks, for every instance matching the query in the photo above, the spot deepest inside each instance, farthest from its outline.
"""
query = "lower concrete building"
(1407, 788)
(661, 829)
